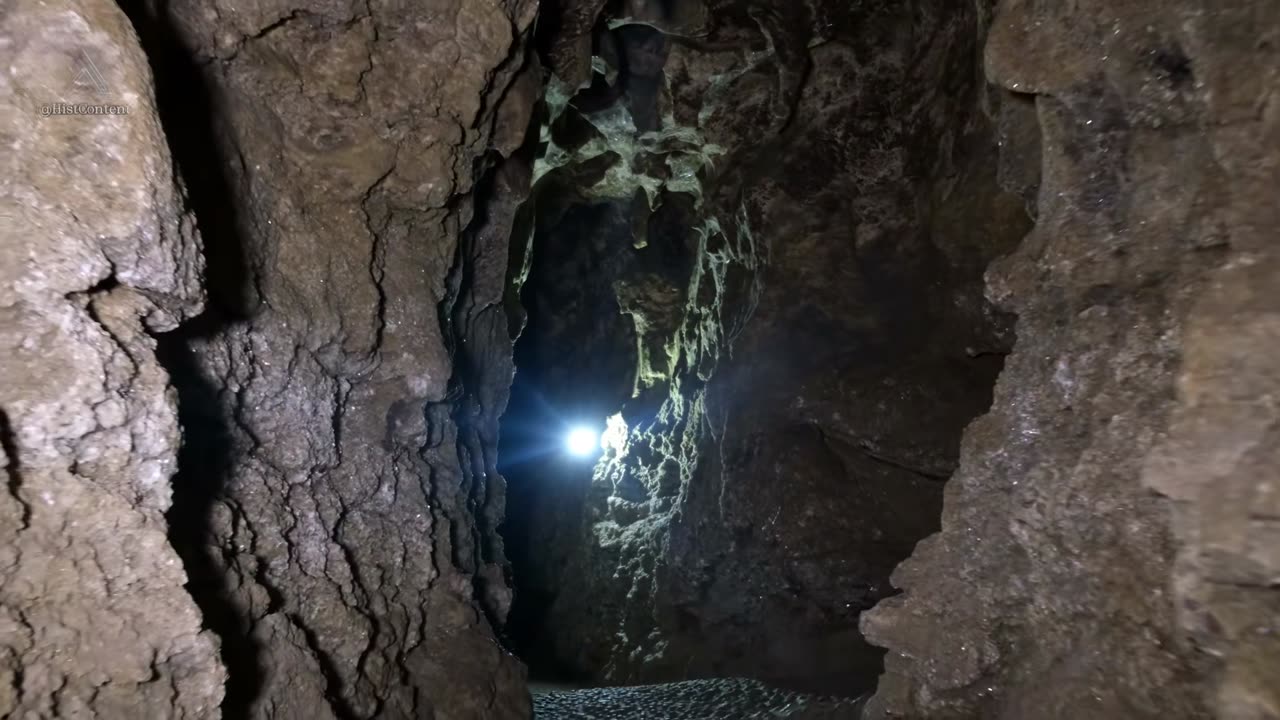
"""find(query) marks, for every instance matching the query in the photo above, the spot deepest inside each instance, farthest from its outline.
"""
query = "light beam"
(582, 441)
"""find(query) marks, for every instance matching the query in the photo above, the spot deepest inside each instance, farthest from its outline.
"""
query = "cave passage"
(919, 347)
(755, 264)
(575, 368)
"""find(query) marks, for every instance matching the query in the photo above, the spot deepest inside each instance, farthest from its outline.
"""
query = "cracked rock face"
(787, 212)
(1060, 584)
(98, 255)
(338, 500)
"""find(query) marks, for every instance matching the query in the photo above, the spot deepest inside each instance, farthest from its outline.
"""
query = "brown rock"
(98, 254)
(1060, 586)
(336, 502)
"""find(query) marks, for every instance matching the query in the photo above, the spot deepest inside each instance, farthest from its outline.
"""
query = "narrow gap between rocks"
(188, 113)
(753, 286)
(756, 283)
(770, 410)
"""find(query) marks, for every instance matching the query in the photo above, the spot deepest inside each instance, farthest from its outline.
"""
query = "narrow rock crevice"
(188, 112)
(13, 474)
(757, 231)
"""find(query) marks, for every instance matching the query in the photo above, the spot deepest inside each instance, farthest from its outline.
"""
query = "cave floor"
(717, 699)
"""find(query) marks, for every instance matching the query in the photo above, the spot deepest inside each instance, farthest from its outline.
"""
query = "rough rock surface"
(1060, 585)
(97, 254)
(718, 699)
(763, 250)
(338, 501)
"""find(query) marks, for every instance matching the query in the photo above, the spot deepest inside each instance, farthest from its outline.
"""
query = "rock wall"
(98, 255)
(786, 212)
(338, 500)
(1060, 585)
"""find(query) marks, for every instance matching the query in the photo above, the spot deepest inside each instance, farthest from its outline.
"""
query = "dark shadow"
(188, 112)
(12, 471)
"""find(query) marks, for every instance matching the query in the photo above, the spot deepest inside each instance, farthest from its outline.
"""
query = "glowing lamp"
(582, 442)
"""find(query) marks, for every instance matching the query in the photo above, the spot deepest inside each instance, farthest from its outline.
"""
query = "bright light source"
(582, 442)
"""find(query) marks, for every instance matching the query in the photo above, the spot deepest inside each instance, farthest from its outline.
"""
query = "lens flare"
(582, 442)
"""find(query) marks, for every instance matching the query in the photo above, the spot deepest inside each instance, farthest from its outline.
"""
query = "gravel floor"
(720, 699)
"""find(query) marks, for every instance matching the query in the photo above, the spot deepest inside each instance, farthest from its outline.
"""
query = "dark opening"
(186, 105)
(759, 246)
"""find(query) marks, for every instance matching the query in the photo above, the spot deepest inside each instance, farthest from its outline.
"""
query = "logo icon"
(88, 78)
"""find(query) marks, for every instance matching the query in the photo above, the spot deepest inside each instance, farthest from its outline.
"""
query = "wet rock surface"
(1061, 585)
(98, 256)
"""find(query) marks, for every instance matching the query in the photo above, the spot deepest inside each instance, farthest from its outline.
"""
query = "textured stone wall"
(98, 254)
(338, 500)
(1060, 585)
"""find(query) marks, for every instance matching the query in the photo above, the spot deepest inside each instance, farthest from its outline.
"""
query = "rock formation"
(338, 503)
(99, 254)
(1061, 585)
